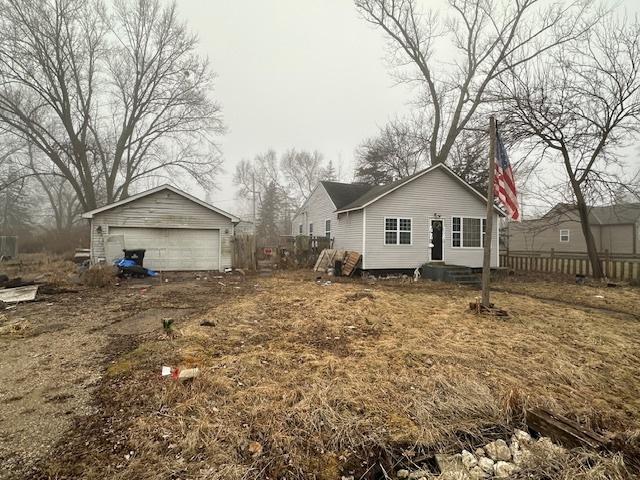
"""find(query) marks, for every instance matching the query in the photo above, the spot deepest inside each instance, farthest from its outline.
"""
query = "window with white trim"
(311, 229)
(397, 231)
(327, 228)
(468, 232)
(564, 236)
(300, 229)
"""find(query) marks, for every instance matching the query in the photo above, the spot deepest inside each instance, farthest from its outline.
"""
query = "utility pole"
(486, 264)
(253, 190)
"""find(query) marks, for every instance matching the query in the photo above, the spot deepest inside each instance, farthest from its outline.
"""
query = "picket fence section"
(620, 269)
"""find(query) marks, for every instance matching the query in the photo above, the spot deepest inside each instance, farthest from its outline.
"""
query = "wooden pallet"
(350, 264)
(562, 430)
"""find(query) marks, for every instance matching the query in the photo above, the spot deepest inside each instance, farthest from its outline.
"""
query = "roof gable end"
(177, 191)
(379, 192)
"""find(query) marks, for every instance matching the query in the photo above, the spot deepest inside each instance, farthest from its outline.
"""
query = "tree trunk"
(592, 250)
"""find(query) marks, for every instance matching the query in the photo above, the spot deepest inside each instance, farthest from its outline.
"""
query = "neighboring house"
(432, 215)
(177, 230)
(616, 230)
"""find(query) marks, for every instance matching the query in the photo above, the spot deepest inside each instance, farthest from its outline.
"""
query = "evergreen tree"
(269, 215)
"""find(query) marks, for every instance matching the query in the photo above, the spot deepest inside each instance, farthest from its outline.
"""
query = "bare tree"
(577, 106)
(302, 170)
(399, 150)
(108, 97)
(486, 37)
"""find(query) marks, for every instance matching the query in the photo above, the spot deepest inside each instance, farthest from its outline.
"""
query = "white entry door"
(174, 248)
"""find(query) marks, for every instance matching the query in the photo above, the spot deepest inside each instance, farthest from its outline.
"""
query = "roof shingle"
(342, 194)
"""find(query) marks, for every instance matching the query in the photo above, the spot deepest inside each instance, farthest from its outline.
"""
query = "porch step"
(451, 273)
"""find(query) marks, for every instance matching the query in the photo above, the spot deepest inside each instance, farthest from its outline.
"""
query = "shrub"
(99, 276)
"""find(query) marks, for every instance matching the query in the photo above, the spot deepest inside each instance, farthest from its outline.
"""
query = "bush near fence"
(625, 268)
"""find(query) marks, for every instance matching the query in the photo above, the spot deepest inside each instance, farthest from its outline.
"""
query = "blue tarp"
(126, 263)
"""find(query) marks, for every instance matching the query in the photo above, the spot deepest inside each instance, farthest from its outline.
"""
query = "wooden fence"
(614, 268)
(244, 251)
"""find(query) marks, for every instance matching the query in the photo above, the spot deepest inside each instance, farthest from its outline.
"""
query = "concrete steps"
(452, 274)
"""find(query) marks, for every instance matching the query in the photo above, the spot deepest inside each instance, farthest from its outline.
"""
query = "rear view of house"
(177, 230)
(431, 216)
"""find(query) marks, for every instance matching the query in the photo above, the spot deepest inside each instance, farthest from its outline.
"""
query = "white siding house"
(177, 230)
(313, 221)
(317, 217)
(431, 216)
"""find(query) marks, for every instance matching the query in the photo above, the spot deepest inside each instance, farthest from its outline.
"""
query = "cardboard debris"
(19, 294)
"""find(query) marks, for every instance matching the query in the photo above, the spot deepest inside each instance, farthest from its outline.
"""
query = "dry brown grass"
(326, 381)
(624, 299)
(99, 276)
(53, 269)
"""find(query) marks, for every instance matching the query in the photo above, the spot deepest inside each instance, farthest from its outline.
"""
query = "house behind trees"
(616, 230)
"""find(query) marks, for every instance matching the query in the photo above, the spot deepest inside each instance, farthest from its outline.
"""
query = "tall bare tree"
(302, 170)
(475, 44)
(400, 149)
(577, 106)
(108, 95)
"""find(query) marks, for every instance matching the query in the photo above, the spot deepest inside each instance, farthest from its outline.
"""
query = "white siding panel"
(164, 210)
(348, 234)
(316, 209)
(434, 193)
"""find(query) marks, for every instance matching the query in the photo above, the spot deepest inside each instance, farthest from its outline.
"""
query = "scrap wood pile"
(338, 262)
(15, 290)
(478, 308)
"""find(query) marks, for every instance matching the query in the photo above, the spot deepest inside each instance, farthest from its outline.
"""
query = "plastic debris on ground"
(130, 267)
(180, 374)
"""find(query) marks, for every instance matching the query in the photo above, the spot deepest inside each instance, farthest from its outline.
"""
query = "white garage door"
(173, 248)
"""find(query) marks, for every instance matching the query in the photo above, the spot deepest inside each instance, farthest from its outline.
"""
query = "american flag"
(504, 185)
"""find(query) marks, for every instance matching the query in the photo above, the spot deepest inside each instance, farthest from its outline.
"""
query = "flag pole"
(486, 263)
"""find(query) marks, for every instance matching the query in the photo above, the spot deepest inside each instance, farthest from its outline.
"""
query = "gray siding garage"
(179, 232)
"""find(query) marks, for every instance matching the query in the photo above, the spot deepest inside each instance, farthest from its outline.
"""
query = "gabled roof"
(620, 214)
(342, 194)
(376, 193)
(175, 190)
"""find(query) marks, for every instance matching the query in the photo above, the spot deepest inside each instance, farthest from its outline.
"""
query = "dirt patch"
(296, 381)
(147, 321)
(55, 354)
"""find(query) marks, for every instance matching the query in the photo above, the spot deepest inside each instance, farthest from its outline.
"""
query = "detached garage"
(178, 231)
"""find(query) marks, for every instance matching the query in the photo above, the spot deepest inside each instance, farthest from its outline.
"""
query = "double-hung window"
(327, 228)
(468, 232)
(564, 236)
(311, 229)
(397, 231)
(300, 229)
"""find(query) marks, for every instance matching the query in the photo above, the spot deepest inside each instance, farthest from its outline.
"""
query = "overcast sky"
(306, 74)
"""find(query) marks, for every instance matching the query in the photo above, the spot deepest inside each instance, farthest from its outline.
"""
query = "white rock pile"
(497, 459)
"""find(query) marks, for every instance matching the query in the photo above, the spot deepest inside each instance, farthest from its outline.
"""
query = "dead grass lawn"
(301, 380)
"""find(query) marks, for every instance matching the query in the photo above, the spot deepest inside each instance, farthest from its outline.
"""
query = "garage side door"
(174, 248)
